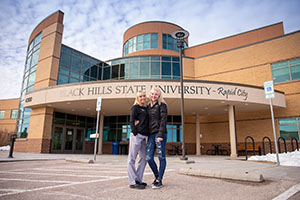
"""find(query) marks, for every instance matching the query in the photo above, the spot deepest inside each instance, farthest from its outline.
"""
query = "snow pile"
(5, 148)
(285, 159)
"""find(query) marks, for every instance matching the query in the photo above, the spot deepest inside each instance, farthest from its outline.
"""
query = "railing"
(278, 143)
(293, 143)
(246, 152)
(263, 144)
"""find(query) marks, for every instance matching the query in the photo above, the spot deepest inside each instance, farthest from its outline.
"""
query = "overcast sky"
(96, 27)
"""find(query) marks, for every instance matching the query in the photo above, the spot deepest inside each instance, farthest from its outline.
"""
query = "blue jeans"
(161, 150)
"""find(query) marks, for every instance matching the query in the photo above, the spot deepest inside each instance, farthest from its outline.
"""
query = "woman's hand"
(159, 139)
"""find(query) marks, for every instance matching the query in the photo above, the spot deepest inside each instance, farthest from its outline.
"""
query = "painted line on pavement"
(70, 184)
(35, 180)
(51, 174)
(290, 192)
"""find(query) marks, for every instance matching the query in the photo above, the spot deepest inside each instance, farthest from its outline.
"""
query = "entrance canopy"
(201, 97)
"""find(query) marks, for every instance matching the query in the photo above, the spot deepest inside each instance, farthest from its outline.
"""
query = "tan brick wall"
(249, 65)
(32, 145)
(236, 41)
(40, 125)
(8, 125)
(47, 70)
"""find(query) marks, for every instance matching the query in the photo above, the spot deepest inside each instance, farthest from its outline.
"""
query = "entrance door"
(79, 140)
(57, 139)
(68, 140)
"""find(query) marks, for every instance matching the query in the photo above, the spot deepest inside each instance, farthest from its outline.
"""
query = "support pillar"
(198, 145)
(100, 142)
(232, 131)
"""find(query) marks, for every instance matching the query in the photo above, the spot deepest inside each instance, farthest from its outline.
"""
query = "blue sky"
(96, 27)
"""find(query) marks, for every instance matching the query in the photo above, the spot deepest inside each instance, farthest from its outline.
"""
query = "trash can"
(115, 148)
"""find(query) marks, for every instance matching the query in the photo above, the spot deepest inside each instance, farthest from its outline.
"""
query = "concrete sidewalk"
(211, 166)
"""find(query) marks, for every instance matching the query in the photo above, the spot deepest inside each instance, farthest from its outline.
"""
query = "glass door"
(79, 140)
(69, 136)
(57, 139)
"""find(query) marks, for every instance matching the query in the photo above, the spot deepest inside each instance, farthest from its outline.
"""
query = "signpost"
(98, 108)
(269, 94)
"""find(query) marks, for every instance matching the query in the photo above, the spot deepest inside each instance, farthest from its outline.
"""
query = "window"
(28, 84)
(75, 66)
(286, 71)
(14, 114)
(141, 42)
(2, 113)
(289, 128)
(169, 43)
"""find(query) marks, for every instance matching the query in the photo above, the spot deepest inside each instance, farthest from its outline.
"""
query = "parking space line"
(290, 192)
(84, 171)
(51, 174)
(35, 180)
(60, 186)
(106, 178)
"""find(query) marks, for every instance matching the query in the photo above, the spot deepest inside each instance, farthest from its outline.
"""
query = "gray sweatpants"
(137, 145)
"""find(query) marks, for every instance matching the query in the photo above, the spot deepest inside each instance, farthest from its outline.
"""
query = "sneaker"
(137, 186)
(158, 184)
(154, 182)
(141, 183)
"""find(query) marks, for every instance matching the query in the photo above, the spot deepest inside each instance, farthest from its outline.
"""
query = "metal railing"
(278, 142)
(263, 144)
(293, 143)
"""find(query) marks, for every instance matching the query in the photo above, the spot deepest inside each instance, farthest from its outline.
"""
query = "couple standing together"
(147, 120)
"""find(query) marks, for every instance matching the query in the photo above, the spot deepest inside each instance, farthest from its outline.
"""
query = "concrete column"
(100, 143)
(232, 131)
(198, 145)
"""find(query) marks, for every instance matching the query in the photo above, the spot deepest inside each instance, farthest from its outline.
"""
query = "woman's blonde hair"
(138, 94)
(160, 98)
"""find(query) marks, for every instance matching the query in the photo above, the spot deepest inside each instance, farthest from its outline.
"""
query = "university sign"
(170, 89)
(166, 89)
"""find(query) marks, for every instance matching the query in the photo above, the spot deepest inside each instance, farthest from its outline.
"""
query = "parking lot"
(107, 179)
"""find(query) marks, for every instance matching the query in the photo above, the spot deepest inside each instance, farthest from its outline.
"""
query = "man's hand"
(159, 139)
(136, 122)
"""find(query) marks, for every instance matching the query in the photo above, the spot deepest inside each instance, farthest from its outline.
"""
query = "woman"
(157, 139)
(139, 123)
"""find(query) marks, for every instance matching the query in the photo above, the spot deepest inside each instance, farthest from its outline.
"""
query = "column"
(198, 145)
(232, 130)
(100, 146)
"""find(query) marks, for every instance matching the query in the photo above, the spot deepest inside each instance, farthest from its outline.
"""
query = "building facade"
(223, 88)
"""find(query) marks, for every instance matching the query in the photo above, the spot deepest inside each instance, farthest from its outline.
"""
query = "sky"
(96, 27)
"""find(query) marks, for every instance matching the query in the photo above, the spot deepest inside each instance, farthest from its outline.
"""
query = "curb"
(233, 175)
(79, 160)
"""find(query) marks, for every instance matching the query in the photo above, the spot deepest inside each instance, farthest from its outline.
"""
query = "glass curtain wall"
(145, 67)
(117, 128)
(75, 66)
(141, 42)
(28, 84)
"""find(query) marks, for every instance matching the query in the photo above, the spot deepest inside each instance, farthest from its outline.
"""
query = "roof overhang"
(201, 97)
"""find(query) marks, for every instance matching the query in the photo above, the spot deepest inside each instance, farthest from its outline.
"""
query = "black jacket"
(141, 114)
(158, 115)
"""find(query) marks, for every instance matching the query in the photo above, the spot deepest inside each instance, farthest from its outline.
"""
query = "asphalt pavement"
(221, 168)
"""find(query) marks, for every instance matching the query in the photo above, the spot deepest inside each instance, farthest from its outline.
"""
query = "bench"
(242, 148)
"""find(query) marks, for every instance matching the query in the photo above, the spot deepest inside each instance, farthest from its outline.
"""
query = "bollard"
(12, 142)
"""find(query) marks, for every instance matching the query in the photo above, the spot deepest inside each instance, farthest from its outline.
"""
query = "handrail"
(263, 144)
(278, 142)
(293, 138)
(246, 152)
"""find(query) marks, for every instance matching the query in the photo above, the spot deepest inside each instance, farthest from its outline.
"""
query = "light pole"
(180, 35)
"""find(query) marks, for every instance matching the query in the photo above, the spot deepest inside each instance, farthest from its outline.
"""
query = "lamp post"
(180, 35)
